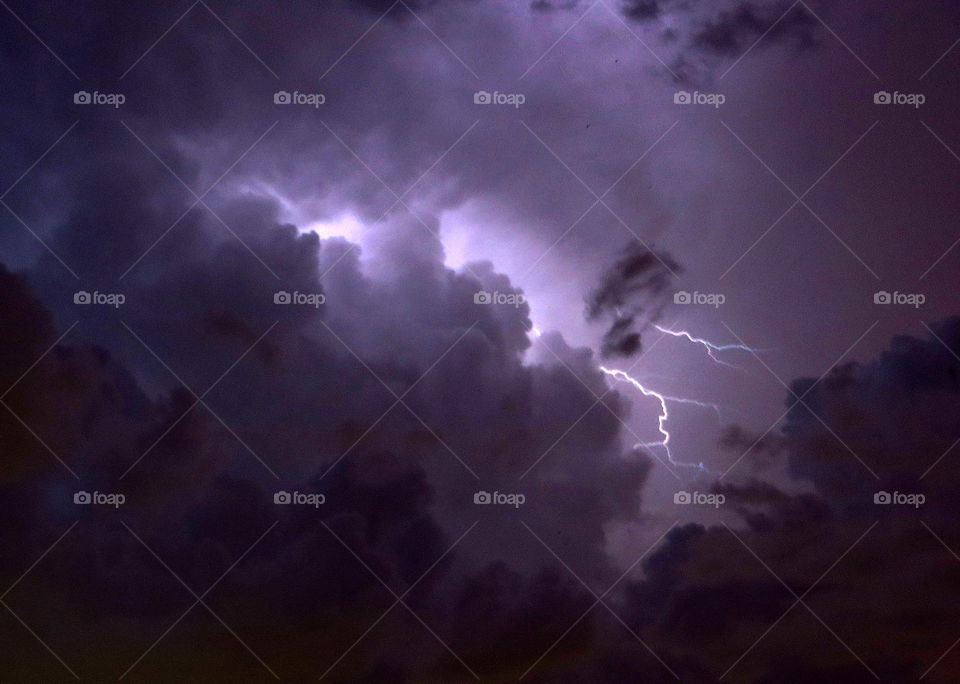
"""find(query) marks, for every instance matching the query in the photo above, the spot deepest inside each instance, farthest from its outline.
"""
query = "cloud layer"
(484, 513)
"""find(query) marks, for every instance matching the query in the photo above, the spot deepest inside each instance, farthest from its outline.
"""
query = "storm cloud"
(326, 305)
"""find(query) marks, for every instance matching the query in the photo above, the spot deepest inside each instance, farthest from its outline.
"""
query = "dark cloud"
(553, 5)
(732, 32)
(634, 287)
(644, 10)
(307, 398)
(704, 597)
(705, 590)
(391, 9)
(703, 33)
(301, 400)
(729, 28)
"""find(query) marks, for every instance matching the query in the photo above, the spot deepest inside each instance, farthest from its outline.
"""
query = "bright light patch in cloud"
(346, 226)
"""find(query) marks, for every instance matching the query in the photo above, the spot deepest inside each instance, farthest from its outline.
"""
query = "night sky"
(480, 340)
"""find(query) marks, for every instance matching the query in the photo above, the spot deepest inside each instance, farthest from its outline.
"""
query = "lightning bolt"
(623, 376)
(709, 346)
